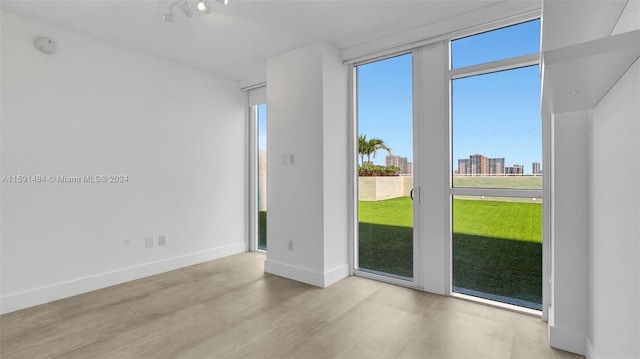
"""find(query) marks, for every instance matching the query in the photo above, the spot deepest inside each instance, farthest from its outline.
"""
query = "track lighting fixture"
(186, 9)
(201, 5)
(170, 17)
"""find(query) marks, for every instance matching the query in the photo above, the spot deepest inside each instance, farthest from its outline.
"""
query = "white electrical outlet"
(290, 245)
(284, 159)
(148, 242)
(162, 241)
(292, 159)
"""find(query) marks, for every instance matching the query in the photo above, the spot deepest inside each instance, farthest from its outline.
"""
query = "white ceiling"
(237, 39)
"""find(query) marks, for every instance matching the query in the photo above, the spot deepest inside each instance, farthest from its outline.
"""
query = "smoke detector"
(45, 44)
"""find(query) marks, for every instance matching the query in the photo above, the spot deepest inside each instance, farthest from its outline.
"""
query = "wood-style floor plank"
(229, 308)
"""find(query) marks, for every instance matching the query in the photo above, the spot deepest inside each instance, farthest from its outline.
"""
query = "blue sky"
(262, 127)
(497, 115)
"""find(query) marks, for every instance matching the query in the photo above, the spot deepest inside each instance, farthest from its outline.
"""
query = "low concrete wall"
(379, 188)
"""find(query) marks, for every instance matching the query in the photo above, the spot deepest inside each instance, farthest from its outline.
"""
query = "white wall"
(335, 154)
(569, 251)
(307, 109)
(94, 109)
(614, 307)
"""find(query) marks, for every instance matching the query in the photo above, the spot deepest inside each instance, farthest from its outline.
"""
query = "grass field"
(386, 236)
(262, 230)
(497, 246)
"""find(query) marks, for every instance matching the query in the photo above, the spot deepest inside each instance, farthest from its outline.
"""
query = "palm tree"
(363, 147)
(370, 147)
(376, 144)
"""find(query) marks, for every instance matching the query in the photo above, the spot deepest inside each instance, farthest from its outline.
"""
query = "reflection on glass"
(385, 161)
(497, 249)
(262, 177)
(512, 41)
(497, 130)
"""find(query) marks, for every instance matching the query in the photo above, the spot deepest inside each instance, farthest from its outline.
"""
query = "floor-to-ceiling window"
(262, 176)
(496, 169)
(462, 211)
(258, 168)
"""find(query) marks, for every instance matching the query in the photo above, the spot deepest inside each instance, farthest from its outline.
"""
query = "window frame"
(255, 95)
(488, 68)
(432, 89)
(416, 281)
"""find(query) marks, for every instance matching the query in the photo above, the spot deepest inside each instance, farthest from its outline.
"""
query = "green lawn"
(497, 246)
(505, 220)
(386, 236)
(262, 230)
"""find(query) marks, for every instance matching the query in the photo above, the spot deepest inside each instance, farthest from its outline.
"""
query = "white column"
(307, 165)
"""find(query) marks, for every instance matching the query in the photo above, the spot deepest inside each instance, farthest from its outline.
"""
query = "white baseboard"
(336, 274)
(42, 295)
(317, 279)
(591, 351)
(568, 340)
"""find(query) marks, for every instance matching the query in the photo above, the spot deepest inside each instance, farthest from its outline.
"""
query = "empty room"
(320, 179)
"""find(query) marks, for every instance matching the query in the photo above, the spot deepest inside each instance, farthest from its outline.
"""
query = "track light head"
(184, 6)
(186, 9)
(202, 6)
(170, 17)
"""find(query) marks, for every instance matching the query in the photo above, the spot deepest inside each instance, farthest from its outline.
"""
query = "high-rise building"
(478, 165)
(515, 170)
(496, 166)
(406, 167)
(536, 168)
(463, 167)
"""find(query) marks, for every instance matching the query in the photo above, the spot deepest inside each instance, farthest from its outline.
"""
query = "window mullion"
(501, 65)
(496, 192)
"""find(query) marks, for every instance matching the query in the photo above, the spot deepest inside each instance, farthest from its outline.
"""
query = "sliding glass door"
(385, 238)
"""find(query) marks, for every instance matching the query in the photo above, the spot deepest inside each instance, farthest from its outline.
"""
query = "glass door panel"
(262, 176)
(385, 167)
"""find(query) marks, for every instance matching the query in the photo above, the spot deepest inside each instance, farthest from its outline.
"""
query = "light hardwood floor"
(229, 308)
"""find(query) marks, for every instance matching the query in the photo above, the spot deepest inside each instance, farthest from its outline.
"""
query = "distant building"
(262, 181)
(406, 167)
(515, 170)
(496, 166)
(536, 168)
(478, 165)
(463, 167)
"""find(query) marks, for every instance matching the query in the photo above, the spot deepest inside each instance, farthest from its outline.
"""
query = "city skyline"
(405, 166)
(496, 114)
(478, 164)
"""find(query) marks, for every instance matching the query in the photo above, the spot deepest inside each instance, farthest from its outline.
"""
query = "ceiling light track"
(201, 5)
